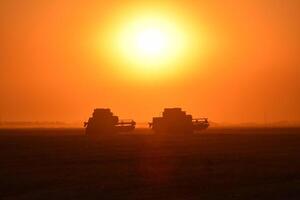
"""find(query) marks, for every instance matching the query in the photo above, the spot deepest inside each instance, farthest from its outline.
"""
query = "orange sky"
(248, 71)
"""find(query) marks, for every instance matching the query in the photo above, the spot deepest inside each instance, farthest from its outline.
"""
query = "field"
(214, 164)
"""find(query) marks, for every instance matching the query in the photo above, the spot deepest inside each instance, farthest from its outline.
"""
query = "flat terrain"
(214, 164)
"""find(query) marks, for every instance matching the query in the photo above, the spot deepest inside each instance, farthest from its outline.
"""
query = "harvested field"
(214, 164)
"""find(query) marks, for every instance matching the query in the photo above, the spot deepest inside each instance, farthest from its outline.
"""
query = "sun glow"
(151, 44)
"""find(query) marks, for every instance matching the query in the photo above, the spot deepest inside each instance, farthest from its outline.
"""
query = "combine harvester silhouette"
(104, 122)
(173, 120)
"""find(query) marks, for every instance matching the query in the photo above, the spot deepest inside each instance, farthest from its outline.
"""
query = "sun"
(151, 42)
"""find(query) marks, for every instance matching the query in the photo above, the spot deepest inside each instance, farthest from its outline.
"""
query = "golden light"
(151, 44)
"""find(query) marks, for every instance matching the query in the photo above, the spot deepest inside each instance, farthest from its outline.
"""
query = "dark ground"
(216, 164)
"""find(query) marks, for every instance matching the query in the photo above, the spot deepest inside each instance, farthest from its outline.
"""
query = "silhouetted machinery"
(174, 120)
(104, 122)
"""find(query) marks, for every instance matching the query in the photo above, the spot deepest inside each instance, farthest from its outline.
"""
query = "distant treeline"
(253, 124)
(46, 124)
(38, 124)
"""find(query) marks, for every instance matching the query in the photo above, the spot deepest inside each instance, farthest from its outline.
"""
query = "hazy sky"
(248, 70)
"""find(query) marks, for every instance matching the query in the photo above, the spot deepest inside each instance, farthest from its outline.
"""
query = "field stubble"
(214, 164)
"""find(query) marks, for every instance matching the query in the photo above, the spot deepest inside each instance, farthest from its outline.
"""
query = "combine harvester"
(174, 120)
(104, 122)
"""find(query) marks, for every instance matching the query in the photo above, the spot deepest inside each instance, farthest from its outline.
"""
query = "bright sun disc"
(151, 44)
